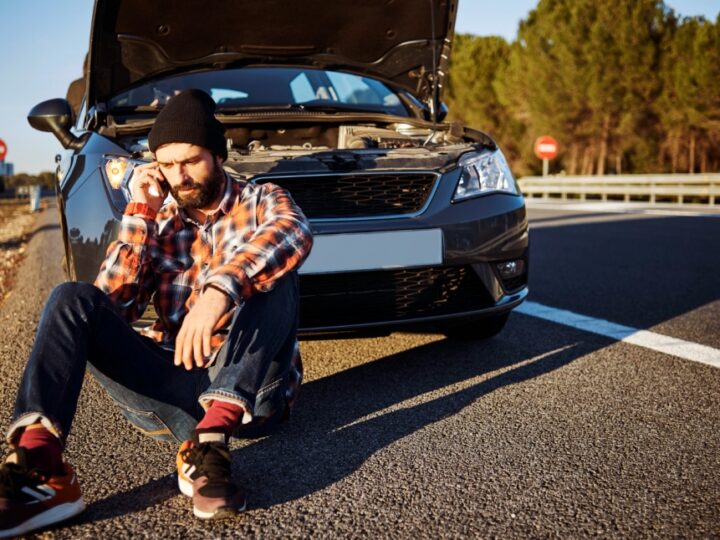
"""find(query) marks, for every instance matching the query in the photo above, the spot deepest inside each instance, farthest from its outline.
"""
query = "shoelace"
(14, 477)
(210, 459)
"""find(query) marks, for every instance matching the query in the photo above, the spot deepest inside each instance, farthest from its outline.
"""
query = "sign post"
(3, 153)
(546, 148)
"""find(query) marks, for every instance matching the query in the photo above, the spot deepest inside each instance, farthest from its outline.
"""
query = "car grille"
(337, 196)
(331, 300)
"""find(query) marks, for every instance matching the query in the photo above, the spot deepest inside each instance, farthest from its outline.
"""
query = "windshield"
(269, 88)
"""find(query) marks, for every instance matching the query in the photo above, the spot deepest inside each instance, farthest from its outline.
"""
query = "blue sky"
(43, 43)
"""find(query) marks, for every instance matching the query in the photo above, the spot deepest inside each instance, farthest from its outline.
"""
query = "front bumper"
(394, 299)
(476, 234)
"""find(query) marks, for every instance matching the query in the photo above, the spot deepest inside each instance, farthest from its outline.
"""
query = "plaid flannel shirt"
(257, 235)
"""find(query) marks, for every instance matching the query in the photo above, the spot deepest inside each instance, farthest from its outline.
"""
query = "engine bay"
(322, 137)
(398, 142)
(288, 147)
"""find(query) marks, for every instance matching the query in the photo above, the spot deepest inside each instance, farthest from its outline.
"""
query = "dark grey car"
(417, 222)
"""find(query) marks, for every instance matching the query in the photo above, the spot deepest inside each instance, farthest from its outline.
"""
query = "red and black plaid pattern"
(257, 235)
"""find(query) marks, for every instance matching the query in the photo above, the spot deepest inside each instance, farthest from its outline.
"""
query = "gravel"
(17, 222)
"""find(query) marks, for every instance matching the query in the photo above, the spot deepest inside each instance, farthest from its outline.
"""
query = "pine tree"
(471, 94)
(545, 82)
(622, 84)
(690, 102)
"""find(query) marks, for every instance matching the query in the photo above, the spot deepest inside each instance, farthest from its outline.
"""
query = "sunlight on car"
(223, 95)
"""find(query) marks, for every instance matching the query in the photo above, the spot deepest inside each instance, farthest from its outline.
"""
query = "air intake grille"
(358, 195)
(389, 295)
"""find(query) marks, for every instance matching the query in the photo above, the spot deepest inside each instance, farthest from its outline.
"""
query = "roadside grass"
(16, 222)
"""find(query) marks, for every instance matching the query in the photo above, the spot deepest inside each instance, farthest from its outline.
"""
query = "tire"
(476, 328)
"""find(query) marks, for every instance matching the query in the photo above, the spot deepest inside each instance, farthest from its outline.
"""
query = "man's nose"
(180, 173)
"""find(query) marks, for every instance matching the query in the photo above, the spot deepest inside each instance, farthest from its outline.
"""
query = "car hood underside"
(404, 42)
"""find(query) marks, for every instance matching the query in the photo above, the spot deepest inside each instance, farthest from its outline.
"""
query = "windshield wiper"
(301, 107)
(125, 109)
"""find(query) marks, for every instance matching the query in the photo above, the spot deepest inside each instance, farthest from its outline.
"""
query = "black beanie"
(189, 117)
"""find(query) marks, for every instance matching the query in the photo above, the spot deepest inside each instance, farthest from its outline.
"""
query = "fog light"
(510, 269)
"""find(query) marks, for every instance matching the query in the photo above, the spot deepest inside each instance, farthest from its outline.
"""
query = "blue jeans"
(80, 327)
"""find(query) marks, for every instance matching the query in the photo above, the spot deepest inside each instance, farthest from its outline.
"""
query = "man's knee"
(74, 291)
(273, 309)
(284, 295)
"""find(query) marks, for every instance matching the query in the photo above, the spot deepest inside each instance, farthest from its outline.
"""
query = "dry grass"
(16, 223)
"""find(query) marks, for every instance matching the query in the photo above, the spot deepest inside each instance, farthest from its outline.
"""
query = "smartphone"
(164, 186)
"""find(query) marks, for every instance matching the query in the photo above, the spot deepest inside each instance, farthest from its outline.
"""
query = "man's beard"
(202, 195)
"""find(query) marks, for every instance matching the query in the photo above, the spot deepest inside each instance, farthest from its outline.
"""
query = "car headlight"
(486, 172)
(117, 171)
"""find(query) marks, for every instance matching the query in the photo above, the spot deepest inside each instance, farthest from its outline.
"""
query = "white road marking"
(643, 338)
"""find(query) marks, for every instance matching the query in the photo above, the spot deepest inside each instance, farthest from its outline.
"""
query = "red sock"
(43, 449)
(221, 416)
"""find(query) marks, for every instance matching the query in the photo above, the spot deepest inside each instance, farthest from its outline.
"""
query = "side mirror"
(55, 116)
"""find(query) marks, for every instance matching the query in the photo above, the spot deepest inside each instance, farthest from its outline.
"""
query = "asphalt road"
(544, 431)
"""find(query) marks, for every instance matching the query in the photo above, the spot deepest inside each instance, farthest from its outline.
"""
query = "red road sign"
(546, 147)
(3, 150)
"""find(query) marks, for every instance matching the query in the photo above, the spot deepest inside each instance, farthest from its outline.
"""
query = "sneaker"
(30, 499)
(203, 465)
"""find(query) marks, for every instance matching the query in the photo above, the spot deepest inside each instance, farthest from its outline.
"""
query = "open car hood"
(403, 42)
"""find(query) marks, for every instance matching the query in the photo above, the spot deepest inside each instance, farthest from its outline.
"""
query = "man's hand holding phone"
(148, 185)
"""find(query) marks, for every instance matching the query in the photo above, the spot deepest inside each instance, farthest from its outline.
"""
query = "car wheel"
(476, 328)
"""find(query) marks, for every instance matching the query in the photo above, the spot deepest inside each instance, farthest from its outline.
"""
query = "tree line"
(625, 86)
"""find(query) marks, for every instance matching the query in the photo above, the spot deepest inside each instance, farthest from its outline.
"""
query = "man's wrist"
(135, 208)
(217, 291)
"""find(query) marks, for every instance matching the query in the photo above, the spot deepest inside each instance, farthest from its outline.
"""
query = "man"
(222, 357)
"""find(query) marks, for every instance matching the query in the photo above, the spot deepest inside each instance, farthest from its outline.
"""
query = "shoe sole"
(224, 512)
(58, 513)
(185, 486)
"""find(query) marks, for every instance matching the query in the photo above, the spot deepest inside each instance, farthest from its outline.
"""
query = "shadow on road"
(330, 436)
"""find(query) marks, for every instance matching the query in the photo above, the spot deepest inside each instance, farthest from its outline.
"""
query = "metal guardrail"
(674, 188)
